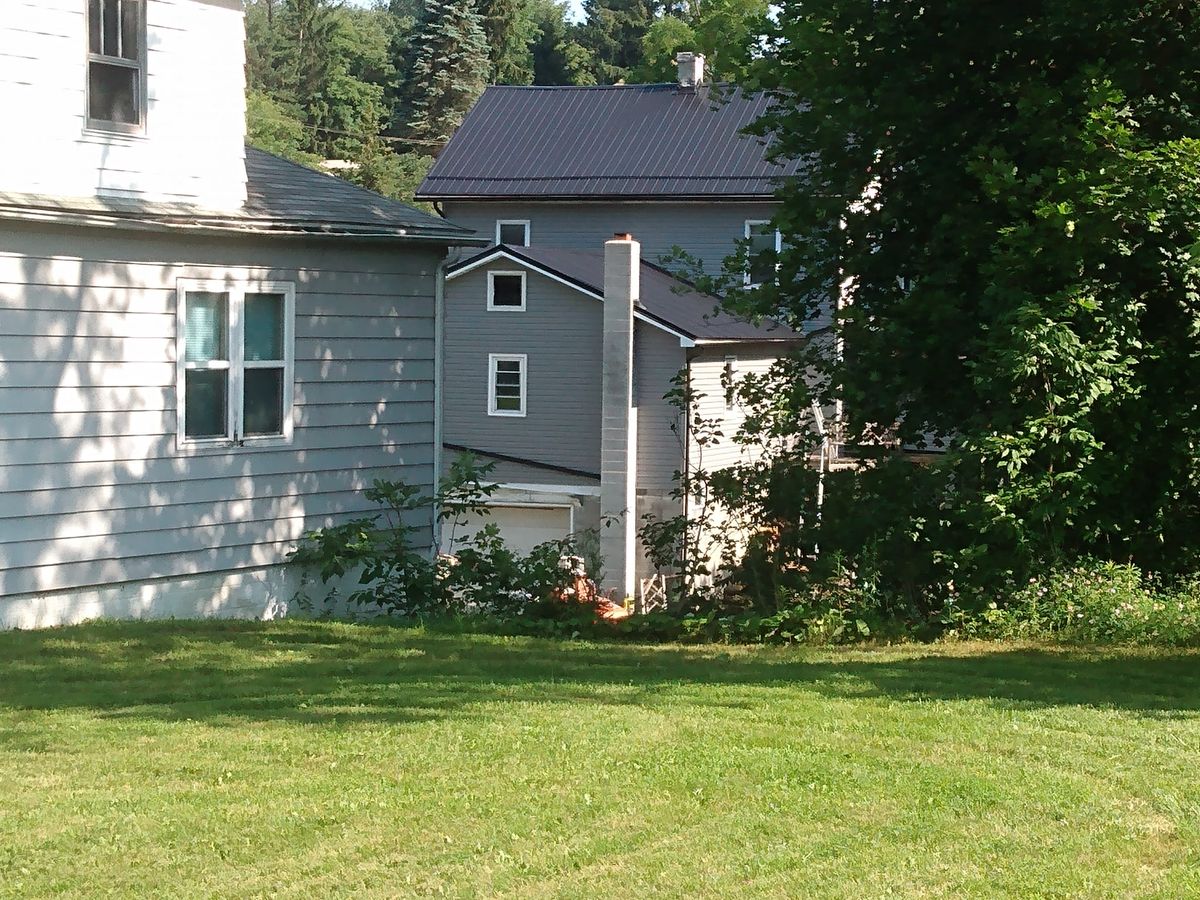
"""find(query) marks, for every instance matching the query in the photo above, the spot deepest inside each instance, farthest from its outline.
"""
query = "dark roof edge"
(427, 196)
(132, 221)
(504, 457)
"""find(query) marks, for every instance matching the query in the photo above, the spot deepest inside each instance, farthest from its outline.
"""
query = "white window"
(235, 363)
(506, 384)
(116, 69)
(506, 291)
(762, 238)
(514, 232)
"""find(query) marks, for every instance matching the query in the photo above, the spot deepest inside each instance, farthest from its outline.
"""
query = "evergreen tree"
(448, 72)
(612, 32)
(556, 56)
(509, 31)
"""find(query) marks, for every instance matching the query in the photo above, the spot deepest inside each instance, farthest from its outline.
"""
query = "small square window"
(506, 291)
(506, 384)
(514, 232)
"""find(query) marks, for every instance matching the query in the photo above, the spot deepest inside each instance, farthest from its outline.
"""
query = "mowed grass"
(308, 759)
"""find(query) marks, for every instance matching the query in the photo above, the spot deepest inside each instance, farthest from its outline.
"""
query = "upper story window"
(235, 363)
(506, 291)
(506, 384)
(763, 245)
(116, 78)
(514, 232)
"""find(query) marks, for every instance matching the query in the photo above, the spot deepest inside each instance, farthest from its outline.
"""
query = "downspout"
(439, 350)
(687, 452)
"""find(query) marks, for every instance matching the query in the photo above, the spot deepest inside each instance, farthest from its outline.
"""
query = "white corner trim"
(684, 340)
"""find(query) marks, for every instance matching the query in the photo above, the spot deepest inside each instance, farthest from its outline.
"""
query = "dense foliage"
(1005, 199)
(382, 88)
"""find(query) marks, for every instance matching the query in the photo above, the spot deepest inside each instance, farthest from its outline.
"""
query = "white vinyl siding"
(192, 105)
(235, 356)
(506, 384)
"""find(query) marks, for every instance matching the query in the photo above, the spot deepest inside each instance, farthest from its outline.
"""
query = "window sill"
(224, 445)
(94, 135)
(506, 415)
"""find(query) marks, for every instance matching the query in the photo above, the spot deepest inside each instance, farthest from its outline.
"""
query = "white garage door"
(523, 527)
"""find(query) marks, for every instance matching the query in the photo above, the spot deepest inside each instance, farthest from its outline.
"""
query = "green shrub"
(1095, 602)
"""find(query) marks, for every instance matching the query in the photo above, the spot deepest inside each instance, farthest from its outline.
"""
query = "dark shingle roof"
(281, 197)
(664, 298)
(646, 141)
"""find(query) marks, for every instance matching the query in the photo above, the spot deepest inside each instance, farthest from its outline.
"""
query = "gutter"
(439, 349)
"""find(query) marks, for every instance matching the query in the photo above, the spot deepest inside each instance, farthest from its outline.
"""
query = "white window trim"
(749, 224)
(236, 364)
(491, 290)
(522, 222)
(494, 358)
(100, 126)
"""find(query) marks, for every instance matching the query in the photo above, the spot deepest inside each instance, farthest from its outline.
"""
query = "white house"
(204, 350)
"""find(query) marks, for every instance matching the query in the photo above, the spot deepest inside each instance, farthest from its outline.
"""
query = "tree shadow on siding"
(337, 674)
(93, 489)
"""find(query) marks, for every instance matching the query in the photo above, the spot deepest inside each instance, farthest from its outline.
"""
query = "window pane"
(113, 94)
(264, 326)
(130, 29)
(206, 400)
(112, 28)
(263, 401)
(762, 253)
(206, 329)
(94, 43)
(513, 234)
(506, 290)
(507, 379)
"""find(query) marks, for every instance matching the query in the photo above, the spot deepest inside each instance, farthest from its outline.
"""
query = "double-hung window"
(514, 232)
(235, 363)
(762, 245)
(506, 384)
(116, 68)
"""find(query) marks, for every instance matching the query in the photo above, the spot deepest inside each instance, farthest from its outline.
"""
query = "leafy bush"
(1095, 602)
(398, 573)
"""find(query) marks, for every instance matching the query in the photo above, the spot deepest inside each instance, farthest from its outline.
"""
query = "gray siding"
(559, 330)
(707, 231)
(92, 487)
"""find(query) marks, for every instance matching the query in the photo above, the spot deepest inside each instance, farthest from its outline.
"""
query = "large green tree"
(727, 32)
(1006, 199)
(449, 71)
(612, 33)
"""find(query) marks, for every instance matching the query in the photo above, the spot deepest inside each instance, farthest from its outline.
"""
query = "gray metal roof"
(282, 197)
(644, 141)
(664, 298)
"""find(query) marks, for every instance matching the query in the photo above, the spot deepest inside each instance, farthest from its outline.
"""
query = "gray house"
(558, 355)
(204, 350)
(571, 166)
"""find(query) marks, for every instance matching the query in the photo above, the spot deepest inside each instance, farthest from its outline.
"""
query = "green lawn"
(315, 759)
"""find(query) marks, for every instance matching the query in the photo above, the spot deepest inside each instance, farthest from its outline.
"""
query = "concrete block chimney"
(618, 428)
(690, 67)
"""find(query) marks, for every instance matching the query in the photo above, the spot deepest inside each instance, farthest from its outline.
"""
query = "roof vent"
(691, 69)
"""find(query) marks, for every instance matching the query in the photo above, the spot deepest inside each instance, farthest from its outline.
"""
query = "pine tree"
(448, 73)
(613, 32)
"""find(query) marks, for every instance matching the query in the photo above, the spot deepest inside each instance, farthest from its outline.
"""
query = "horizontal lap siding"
(707, 231)
(705, 372)
(92, 488)
(560, 331)
(657, 359)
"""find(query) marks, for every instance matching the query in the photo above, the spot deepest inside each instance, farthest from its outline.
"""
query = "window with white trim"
(763, 245)
(506, 384)
(514, 232)
(116, 68)
(506, 291)
(235, 362)
(729, 380)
